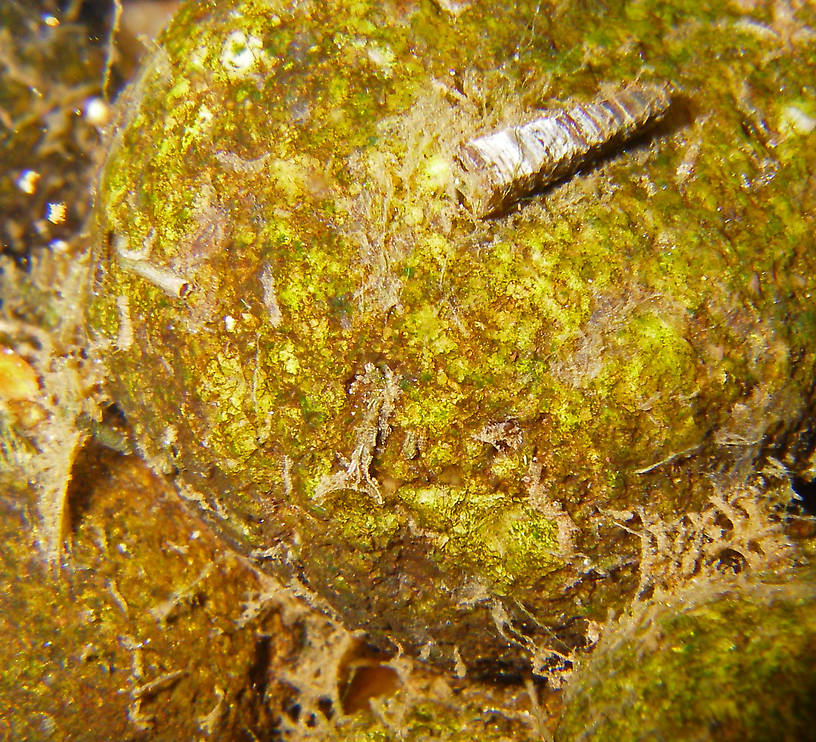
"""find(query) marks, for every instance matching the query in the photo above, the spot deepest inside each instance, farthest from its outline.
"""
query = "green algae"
(724, 664)
(432, 413)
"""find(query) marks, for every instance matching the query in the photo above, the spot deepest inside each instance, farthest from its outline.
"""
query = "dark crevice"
(259, 670)
(92, 466)
(806, 490)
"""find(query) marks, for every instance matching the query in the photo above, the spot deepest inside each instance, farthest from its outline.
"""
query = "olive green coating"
(424, 416)
(732, 664)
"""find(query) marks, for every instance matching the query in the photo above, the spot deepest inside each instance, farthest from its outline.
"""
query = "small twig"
(111, 47)
(668, 459)
(146, 690)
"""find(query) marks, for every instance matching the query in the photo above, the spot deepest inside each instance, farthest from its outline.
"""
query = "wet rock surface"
(439, 422)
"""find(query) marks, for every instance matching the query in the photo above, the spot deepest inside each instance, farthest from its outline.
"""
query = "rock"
(730, 662)
(146, 632)
(450, 427)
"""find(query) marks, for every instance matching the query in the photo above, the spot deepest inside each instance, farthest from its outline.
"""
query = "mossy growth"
(425, 416)
(716, 664)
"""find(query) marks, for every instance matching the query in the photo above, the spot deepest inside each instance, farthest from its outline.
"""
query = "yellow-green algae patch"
(714, 664)
(426, 417)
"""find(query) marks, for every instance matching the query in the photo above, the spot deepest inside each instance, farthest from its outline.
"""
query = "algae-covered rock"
(144, 633)
(438, 422)
(716, 664)
(428, 708)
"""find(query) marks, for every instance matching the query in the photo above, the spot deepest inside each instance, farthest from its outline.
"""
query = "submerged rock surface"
(729, 662)
(443, 424)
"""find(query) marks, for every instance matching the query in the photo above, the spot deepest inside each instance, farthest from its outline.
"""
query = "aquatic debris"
(502, 167)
